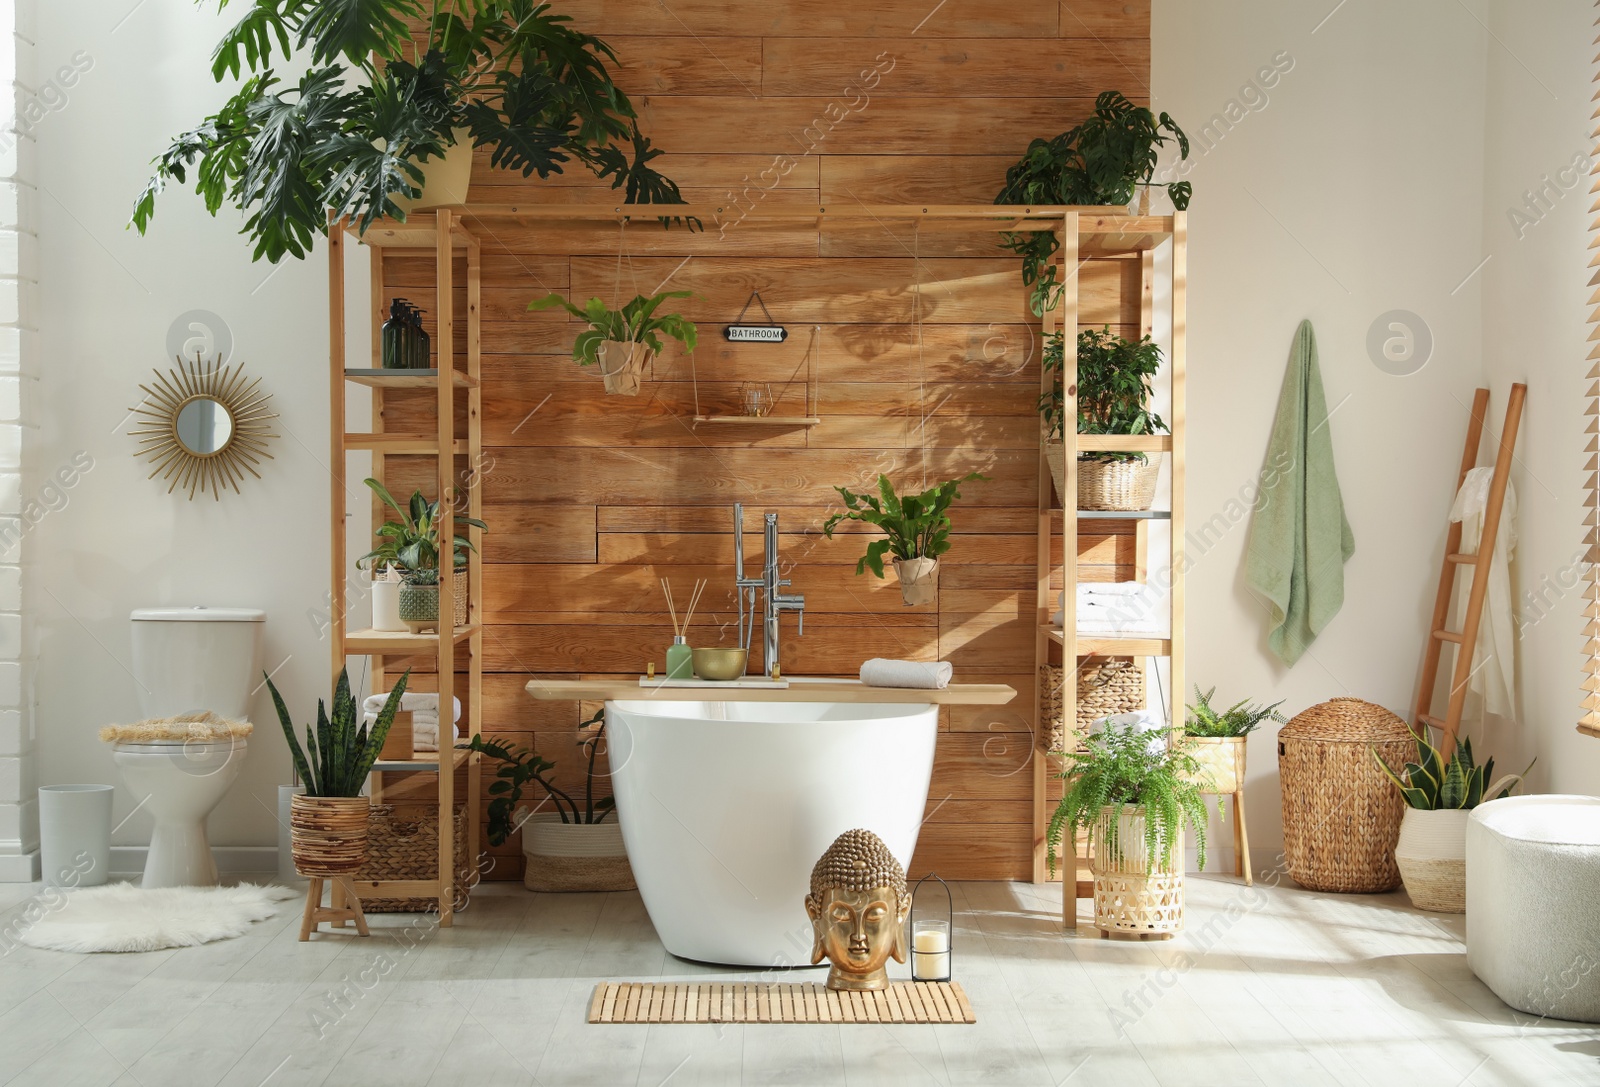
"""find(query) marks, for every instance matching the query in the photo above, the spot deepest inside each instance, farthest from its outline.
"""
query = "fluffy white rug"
(125, 917)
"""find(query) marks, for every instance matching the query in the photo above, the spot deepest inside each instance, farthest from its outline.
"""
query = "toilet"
(188, 660)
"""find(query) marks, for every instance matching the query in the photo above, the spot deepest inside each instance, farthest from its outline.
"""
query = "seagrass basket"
(1341, 815)
(403, 843)
(1118, 484)
(1106, 686)
(1130, 897)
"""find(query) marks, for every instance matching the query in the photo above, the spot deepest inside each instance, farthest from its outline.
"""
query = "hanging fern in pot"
(916, 529)
(623, 342)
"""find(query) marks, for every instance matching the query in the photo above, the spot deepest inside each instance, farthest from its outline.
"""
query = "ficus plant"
(1104, 160)
(1430, 783)
(412, 542)
(338, 756)
(1114, 387)
(915, 526)
(520, 767)
(635, 322)
(343, 100)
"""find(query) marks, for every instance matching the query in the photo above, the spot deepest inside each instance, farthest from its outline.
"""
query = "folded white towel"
(424, 709)
(1141, 721)
(923, 675)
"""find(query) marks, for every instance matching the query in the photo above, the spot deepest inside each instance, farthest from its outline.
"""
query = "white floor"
(1268, 986)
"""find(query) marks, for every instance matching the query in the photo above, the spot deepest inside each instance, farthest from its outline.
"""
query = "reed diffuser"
(680, 658)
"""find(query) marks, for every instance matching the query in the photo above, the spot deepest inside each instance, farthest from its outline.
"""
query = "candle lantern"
(931, 934)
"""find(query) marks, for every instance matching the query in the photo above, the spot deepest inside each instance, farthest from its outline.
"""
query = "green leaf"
(355, 28)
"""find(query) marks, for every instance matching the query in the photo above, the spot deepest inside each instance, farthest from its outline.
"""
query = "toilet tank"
(186, 660)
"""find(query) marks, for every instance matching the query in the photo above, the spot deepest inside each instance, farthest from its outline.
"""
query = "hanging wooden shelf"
(760, 420)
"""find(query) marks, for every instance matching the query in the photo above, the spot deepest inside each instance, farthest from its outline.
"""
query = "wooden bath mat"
(777, 1002)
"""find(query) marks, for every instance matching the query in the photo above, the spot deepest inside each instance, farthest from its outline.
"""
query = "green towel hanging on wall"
(1299, 538)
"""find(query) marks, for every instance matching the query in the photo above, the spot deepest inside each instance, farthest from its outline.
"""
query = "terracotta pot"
(1221, 760)
(622, 364)
(1432, 857)
(446, 179)
(574, 856)
(919, 580)
(328, 834)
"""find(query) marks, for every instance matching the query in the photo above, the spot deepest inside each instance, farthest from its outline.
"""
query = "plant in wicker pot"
(1217, 740)
(328, 823)
(1133, 793)
(411, 544)
(1114, 389)
(623, 342)
(572, 848)
(1432, 851)
(916, 530)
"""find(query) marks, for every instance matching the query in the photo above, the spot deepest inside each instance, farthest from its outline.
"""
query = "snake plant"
(1431, 784)
(338, 756)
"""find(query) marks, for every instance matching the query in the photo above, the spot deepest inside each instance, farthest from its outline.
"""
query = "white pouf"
(1533, 881)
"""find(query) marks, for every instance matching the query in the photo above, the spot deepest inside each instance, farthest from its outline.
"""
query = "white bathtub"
(725, 806)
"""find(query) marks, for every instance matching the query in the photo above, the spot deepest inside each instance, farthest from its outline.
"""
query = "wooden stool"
(346, 906)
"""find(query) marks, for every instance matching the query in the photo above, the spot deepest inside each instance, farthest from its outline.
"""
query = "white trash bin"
(75, 834)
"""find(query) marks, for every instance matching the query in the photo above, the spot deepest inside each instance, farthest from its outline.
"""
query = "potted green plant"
(328, 822)
(354, 135)
(1431, 852)
(412, 545)
(1114, 390)
(623, 342)
(1104, 160)
(1133, 791)
(1217, 740)
(571, 848)
(916, 530)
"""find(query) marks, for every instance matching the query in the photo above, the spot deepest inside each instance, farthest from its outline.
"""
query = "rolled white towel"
(923, 675)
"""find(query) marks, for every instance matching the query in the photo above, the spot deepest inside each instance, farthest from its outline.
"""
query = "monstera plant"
(381, 87)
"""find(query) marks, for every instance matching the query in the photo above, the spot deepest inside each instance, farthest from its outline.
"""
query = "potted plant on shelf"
(1217, 740)
(572, 848)
(1104, 160)
(1133, 793)
(382, 100)
(1432, 850)
(623, 342)
(1114, 390)
(328, 822)
(412, 545)
(916, 529)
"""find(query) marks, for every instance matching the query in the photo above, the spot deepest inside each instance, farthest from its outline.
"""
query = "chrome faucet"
(774, 601)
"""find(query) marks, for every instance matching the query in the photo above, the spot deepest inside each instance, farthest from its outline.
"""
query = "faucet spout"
(770, 585)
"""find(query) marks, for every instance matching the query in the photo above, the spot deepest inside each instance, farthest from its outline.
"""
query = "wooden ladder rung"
(1448, 636)
(1465, 560)
(1434, 721)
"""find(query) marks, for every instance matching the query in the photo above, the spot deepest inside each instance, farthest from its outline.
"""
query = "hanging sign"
(770, 332)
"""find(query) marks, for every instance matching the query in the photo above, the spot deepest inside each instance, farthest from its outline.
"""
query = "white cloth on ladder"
(424, 709)
(1494, 662)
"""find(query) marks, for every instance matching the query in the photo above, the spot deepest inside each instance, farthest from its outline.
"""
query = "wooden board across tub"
(831, 690)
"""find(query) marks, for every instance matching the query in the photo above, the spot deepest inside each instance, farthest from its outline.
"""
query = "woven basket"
(1221, 760)
(403, 843)
(1117, 484)
(1129, 897)
(1341, 815)
(1106, 686)
(574, 857)
(328, 834)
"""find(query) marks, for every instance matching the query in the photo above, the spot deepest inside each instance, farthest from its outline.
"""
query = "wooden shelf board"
(423, 764)
(407, 379)
(1101, 645)
(398, 444)
(1124, 443)
(831, 690)
(1123, 515)
(400, 643)
(760, 420)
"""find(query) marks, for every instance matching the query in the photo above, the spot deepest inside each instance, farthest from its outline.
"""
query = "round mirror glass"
(204, 426)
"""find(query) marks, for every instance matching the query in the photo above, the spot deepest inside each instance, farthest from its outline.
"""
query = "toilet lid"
(198, 614)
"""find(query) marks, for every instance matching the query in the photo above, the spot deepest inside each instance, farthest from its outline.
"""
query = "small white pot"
(574, 856)
(919, 580)
(1432, 857)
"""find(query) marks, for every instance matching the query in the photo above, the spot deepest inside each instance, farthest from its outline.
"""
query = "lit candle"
(930, 951)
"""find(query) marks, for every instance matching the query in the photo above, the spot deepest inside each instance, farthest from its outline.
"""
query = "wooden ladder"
(1466, 639)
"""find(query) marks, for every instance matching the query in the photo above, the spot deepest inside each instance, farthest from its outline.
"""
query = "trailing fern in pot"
(1134, 794)
(916, 530)
(623, 342)
(1104, 160)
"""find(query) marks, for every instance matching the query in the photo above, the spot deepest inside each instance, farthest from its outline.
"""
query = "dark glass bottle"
(424, 347)
(394, 336)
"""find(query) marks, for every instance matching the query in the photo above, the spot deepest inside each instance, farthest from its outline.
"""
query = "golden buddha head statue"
(858, 906)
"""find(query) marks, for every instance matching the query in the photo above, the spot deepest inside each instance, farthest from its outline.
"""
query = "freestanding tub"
(725, 806)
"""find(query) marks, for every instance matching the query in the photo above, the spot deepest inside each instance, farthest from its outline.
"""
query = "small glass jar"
(930, 951)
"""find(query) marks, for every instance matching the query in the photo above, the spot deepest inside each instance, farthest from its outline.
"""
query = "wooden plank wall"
(592, 498)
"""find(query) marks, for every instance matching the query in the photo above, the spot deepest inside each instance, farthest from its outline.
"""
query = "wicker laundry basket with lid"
(1341, 815)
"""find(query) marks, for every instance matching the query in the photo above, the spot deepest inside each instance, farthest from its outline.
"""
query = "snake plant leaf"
(367, 753)
(1453, 791)
(1475, 784)
(301, 766)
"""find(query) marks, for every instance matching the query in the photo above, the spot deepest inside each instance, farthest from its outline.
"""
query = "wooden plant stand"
(345, 907)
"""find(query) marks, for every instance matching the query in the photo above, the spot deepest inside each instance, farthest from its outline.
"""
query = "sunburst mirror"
(203, 426)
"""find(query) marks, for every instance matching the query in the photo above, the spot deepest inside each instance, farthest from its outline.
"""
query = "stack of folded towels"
(1117, 608)
(424, 710)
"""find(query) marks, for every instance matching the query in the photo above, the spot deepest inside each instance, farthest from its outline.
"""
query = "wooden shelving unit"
(1083, 237)
(444, 236)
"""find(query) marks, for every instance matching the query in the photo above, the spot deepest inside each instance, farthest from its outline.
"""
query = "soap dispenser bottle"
(394, 336)
(424, 349)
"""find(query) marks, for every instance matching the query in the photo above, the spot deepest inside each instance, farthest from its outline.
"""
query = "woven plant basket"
(1341, 815)
(1221, 760)
(1117, 484)
(328, 834)
(1106, 687)
(574, 856)
(404, 844)
(1432, 857)
(622, 364)
(1129, 897)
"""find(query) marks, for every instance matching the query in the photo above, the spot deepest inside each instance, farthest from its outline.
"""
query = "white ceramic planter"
(574, 856)
(1432, 857)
